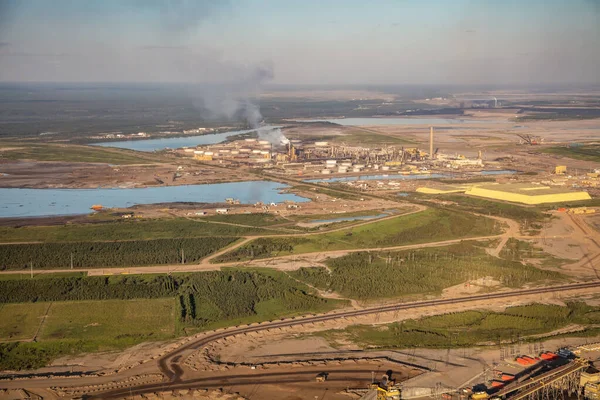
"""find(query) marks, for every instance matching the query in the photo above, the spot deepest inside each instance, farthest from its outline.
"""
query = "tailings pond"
(47, 202)
(175, 142)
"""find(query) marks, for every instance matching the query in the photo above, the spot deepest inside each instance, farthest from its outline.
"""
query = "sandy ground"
(32, 174)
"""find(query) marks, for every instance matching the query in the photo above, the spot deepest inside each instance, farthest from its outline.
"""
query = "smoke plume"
(223, 90)
(273, 135)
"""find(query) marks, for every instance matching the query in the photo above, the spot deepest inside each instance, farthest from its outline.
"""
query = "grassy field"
(110, 313)
(362, 213)
(71, 153)
(259, 219)
(471, 328)
(145, 229)
(530, 218)
(20, 321)
(427, 226)
(377, 275)
(87, 326)
(587, 152)
(111, 323)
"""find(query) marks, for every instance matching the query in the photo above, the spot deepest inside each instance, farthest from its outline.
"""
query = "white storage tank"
(263, 142)
(250, 140)
(223, 151)
(199, 152)
(331, 162)
(209, 153)
(321, 144)
(255, 151)
(385, 168)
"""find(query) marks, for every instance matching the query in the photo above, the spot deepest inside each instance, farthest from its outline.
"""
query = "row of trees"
(108, 254)
(262, 248)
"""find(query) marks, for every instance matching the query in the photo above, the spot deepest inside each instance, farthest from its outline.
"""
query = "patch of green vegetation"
(165, 306)
(108, 254)
(341, 193)
(116, 323)
(88, 326)
(589, 152)
(530, 218)
(15, 356)
(258, 219)
(376, 275)
(472, 328)
(26, 275)
(571, 204)
(427, 226)
(72, 153)
(20, 321)
(519, 250)
(144, 229)
(362, 213)
(241, 296)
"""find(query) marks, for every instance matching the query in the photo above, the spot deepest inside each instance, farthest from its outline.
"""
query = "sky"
(301, 41)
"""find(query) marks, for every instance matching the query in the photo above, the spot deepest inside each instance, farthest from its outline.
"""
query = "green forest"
(108, 254)
(374, 275)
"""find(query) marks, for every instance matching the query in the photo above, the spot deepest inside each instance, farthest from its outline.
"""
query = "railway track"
(169, 363)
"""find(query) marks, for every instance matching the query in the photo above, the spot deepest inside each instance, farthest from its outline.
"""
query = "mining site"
(256, 201)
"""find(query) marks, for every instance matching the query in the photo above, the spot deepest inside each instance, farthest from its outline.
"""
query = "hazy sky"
(302, 41)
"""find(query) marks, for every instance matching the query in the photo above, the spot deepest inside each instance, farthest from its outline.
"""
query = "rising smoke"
(237, 98)
(234, 90)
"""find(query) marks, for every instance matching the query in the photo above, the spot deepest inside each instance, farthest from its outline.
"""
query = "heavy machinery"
(386, 388)
(321, 376)
(529, 139)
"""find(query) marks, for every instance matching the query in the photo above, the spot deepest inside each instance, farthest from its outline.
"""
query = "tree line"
(108, 254)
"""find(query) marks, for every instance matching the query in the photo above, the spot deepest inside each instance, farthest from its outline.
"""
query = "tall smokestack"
(431, 142)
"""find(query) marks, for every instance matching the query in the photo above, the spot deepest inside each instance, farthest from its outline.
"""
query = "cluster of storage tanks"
(341, 168)
(250, 148)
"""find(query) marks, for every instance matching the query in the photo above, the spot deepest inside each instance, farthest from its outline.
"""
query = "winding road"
(170, 367)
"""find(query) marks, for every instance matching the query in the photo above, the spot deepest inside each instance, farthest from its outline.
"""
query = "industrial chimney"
(431, 143)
